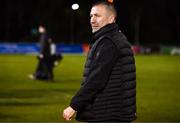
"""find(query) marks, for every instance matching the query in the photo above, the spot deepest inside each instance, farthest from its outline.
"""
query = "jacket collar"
(104, 30)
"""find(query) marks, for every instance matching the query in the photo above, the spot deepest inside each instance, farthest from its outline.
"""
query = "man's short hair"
(108, 5)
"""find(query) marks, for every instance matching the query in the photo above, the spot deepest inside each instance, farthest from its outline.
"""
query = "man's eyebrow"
(95, 14)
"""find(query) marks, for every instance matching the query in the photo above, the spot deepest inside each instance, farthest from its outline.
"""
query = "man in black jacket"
(44, 70)
(108, 89)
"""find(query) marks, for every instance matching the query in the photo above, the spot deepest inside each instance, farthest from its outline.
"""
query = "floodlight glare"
(75, 6)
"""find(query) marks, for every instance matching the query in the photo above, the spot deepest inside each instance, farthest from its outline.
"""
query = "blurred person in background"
(108, 88)
(47, 57)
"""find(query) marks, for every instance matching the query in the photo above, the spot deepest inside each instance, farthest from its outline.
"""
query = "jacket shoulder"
(119, 39)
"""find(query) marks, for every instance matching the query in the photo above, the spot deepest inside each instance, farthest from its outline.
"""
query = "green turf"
(21, 99)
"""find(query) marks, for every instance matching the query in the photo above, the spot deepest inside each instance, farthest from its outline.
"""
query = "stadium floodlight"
(75, 6)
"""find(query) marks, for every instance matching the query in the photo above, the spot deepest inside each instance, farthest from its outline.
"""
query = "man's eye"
(97, 15)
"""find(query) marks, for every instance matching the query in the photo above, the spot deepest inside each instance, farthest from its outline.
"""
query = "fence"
(33, 48)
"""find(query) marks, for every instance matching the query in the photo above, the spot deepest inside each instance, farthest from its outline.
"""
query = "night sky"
(142, 21)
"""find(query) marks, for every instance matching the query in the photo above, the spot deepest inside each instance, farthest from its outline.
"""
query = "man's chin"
(94, 30)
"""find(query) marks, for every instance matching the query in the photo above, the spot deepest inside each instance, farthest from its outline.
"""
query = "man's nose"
(92, 19)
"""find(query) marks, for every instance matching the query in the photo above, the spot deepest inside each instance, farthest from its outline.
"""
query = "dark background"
(142, 21)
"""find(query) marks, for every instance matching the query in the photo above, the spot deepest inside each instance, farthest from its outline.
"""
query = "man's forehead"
(97, 8)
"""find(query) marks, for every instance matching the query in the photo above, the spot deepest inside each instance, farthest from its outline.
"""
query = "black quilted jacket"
(108, 89)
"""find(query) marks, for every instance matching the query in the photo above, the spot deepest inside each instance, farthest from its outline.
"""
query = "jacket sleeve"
(44, 44)
(100, 69)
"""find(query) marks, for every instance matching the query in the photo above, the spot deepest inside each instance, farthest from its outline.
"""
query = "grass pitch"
(22, 99)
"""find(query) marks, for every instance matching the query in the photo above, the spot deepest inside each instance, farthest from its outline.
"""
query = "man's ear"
(111, 19)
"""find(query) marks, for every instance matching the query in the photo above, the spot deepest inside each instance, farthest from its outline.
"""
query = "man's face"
(41, 29)
(99, 17)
